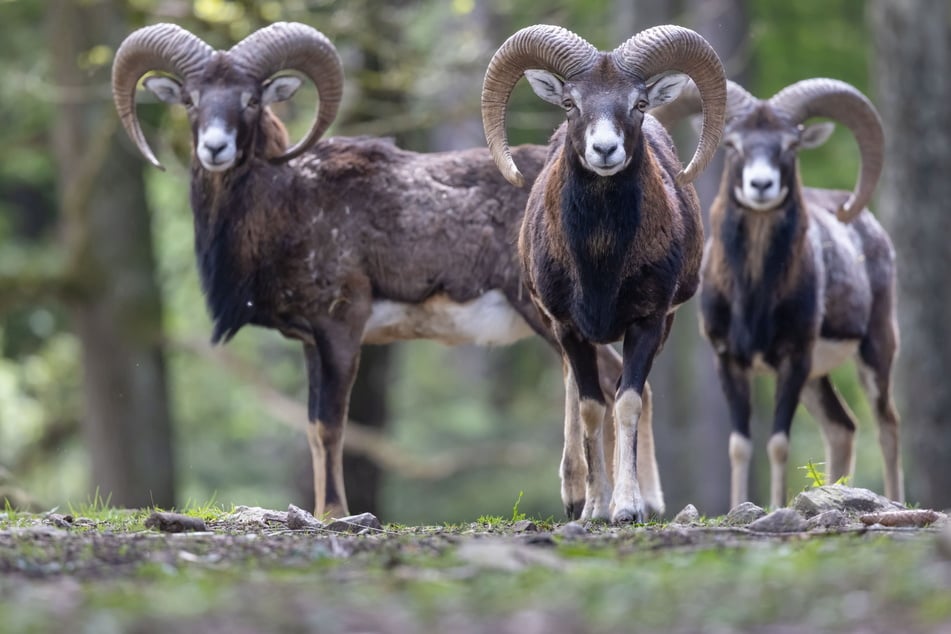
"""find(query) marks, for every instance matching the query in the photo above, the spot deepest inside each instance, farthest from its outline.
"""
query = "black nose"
(761, 184)
(215, 148)
(604, 149)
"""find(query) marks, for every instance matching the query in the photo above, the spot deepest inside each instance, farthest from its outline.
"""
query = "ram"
(797, 280)
(612, 237)
(339, 242)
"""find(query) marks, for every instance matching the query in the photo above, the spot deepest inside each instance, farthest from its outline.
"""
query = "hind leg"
(876, 355)
(877, 385)
(837, 423)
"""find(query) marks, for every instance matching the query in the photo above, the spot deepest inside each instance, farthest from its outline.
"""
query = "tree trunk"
(106, 228)
(912, 73)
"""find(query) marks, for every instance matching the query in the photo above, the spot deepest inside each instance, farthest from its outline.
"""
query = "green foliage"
(516, 516)
(816, 477)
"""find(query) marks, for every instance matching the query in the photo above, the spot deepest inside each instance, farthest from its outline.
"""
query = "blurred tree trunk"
(912, 70)
(106, 229)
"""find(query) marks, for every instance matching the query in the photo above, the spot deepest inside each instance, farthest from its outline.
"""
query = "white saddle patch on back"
(489, 320)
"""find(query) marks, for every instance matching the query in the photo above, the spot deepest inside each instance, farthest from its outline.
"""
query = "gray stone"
(828, 519)
(780, 521)
(256, 516)
(355, 523)
(571, 529)
(850, 500)
(299, 519)
(688, 515)
(744, 513)
(525, 526)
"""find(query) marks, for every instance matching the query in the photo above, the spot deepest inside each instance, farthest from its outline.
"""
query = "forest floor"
(104, 571)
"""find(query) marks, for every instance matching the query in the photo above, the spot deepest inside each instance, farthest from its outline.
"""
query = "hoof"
(654, 511)
(574, 509)
(596, 513)
(629, 515)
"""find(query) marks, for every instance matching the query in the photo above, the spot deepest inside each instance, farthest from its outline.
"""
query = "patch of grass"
(516, 516)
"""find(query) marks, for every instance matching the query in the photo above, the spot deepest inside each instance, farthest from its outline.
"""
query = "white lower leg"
(648, 476)
(318, 460)
(891, 454)
(627, 503)
(840, 451)
(322, 454)
(778, 450)
(573, 468)
(741, 452)
(597, 490)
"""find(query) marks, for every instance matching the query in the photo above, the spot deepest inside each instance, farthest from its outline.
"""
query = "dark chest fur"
(761, 296)
(241, 255)
(591, 282)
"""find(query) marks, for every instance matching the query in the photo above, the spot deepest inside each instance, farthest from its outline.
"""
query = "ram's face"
(605, 109)
(761, 154)
(224, 107)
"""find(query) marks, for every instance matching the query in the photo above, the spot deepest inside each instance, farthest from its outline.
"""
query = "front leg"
(582, 378)
(791, 376)
(331, 369)
(735, 381)
(641, 342)
(573, 468)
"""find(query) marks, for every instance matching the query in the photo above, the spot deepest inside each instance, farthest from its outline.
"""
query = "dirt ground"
(80, 574)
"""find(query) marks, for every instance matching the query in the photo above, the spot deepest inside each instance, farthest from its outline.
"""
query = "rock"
(174, 523)
(849, 500)
(525, 526)
(688, 515)
(257, 516)
(780, 521)
(355, 523)
(917, 518)
(299, 519)
(58, 520)
(743, 514)
(571, 529)
(828, 519)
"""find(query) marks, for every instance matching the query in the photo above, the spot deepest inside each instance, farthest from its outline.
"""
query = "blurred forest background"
(108, 386)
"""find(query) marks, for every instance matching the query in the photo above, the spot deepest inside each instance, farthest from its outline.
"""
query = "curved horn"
(668, 48)
(738, 101)
(162, 47)
(542, 46)
(841, 102)
(295, 46)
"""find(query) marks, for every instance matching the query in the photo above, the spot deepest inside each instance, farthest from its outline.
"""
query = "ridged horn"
(551, 48)
(663, 49)
(161, 47)
(294, 46)
(843, 103)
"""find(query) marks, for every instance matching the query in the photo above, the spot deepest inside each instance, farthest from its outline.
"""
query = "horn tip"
(514, 176)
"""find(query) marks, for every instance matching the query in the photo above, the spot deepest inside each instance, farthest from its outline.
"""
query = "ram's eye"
(641, 105)
(567, 104)
(248, 100)
(190, 99)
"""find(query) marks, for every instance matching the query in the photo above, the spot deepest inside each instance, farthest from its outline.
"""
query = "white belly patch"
(827, 354)
(488, 320)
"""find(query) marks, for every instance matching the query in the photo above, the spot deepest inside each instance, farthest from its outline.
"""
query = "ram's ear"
(546, 85)
(280, 89)
(665, 88)
(815, 134)
(165, 88)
